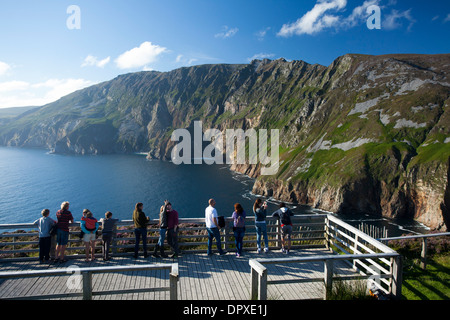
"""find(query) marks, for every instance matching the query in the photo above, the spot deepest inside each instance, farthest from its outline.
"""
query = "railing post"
(227, 236)
(173, 282)
(254, 285)
(423, 254)
(328, 278)
(258, 290)
(278, 224)
(397, 277)
(262, 285)
(87, 285)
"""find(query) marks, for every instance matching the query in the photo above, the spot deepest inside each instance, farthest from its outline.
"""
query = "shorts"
(62, 237)
(286, 230)
(87, 237)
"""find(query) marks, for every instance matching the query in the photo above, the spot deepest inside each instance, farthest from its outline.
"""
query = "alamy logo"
(235, 147)
(74, 20)
(75, 280)
(374, 20)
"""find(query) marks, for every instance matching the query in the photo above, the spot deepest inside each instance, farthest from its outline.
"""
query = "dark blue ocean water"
(33, 179)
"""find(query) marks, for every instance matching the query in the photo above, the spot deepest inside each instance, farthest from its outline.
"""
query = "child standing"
(45, 224)
(108, 229)
(89, 226)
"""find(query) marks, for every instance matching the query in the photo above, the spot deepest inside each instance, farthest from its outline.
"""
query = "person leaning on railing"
(285, 214)
(260, 224)
(44, 224)
(64, 217)
(140, 228)
(212, 226)
(108, 229)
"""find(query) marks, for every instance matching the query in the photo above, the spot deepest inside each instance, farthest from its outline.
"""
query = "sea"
(35, 179)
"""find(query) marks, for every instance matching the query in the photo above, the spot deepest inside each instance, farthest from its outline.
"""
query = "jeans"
(62, 237)
(140, 232)
(239, 239)
(162, 236)
(261, 230)
(44, 248)
(172, 240)
(214, 233)
(106, 243)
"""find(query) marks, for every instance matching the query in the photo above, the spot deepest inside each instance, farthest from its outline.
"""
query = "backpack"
(90, 223)
(285, 216)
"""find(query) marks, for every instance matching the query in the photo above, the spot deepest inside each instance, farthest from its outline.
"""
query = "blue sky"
(42, 58)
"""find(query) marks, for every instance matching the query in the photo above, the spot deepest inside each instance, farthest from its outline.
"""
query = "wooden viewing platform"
(306, 273)
(201, 277)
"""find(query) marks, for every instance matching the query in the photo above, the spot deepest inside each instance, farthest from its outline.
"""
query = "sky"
(50, 48)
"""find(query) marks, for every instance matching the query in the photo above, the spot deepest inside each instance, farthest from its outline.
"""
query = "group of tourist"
(53, 232)
(260, 211)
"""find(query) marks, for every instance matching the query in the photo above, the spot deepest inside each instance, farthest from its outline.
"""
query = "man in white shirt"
(212, 226)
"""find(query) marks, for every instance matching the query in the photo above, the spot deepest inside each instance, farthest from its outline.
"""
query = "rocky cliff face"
(365, 134)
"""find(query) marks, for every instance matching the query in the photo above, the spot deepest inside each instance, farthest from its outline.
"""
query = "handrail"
(309, 227)
(87, 272)
(429, 235)
(259, 272)
(424, 237)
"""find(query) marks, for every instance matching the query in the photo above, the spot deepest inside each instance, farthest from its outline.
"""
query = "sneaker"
(287, 251)
(237, 254)
(259, 250)
(282, 250)
(266, 250)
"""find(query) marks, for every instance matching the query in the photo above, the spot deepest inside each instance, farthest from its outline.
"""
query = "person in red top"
(172, 229)
(65, 218)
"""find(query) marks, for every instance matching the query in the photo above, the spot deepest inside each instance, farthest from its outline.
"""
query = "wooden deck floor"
(202, 277)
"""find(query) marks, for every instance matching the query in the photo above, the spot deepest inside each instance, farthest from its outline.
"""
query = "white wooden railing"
(370, 258)
(308, 231)
(85, 275)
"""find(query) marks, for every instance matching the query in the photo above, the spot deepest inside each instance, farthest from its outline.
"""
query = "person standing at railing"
(239, 227)
(162, 231)
(108, 230)
(172, 229)
(64, 217)
(260, 224)
(140, 228)
(44, 224)
(285, 214)
(212, 226)
(89, 226)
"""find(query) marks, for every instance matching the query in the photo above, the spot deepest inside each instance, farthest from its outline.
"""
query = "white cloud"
(184, 60)
(227, 32)
(314, 20)
(325, 15)
(260, 56)
(140, 56)
(392, 20)
(261, 34)
(21, 93)
(447, 18)
(359, 14)
(9, 86)
(4, 68)
(93, 61)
